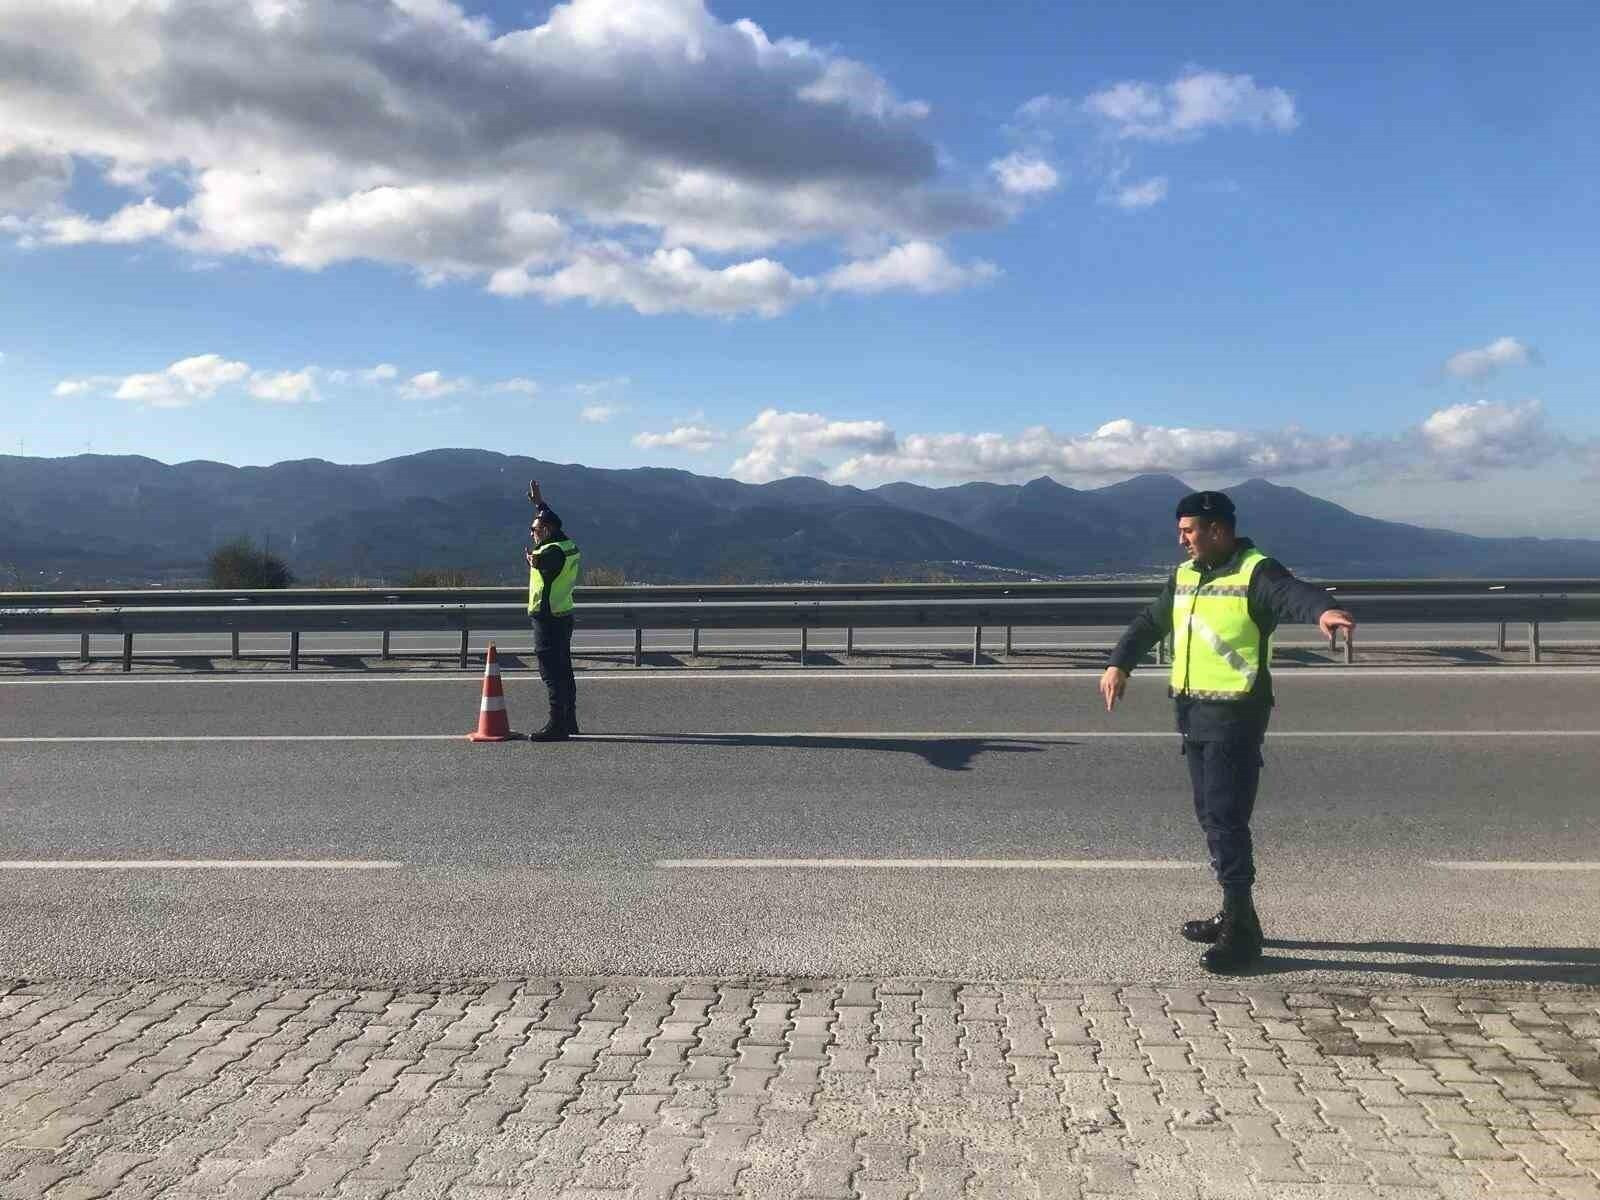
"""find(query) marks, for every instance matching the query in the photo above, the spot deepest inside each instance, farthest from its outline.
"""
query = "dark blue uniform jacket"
(1276, 598)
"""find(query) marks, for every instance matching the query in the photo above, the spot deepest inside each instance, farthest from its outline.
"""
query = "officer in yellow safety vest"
(553, 566)
(1221, 608)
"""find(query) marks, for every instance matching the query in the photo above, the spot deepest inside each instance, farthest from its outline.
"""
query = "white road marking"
(198, 864)
(1470, 865)
(1001, 864)
(246, 737)
(789, 675)
(704, 736)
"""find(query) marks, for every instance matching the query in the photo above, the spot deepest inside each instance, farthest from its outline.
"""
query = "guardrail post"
(83, 648)
(462, 661)
(294, 651)
(1349, 646)
(804, 646)
(694, 642)
(977, 644)
(1533, 641)
(1008, 641)
(638, 647)
(1161, 651)
(849, 640)
(384, 652)
(235, 645)
(1500, 642)
(127, 652)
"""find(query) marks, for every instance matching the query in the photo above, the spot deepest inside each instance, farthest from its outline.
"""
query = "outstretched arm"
(1278, 598)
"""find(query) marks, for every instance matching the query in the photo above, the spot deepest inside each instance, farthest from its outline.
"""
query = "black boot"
(571, 720)
(555, 729)
(1239, 939)
(1203, 929)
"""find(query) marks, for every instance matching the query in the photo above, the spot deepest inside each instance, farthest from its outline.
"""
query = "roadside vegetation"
(242, 564)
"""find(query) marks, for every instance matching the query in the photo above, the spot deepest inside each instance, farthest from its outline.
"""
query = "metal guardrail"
(685, 593)
(1499, 606)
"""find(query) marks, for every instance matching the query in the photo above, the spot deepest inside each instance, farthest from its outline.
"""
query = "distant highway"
(1414, 826)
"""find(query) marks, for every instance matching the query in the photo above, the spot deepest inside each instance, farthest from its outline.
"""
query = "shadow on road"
(948, 754)
(1426, 960)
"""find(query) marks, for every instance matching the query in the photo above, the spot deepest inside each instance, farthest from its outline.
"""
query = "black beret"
(1206, 504)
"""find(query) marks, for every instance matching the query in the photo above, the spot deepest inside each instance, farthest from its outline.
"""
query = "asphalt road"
(439, 859)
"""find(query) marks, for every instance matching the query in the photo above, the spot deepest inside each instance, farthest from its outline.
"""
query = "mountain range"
(96, 519)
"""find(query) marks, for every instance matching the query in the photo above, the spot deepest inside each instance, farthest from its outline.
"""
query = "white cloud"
(1459, 442)
(284, 387)
(382, 373)
(915, 266)
(696, 439)
(1045, 109)
(133, 223)
(1465, 438)
(665, 281)
(600, 387)
(1193, 104)
(1489, 360)
(526, 387)
(1024, 174)
(598, 413)
(81, 387)
(180, 384)
(1116, 447)
(788, 443)
(410, 134)
(1144, 194)
(431, 385)
(1190, 105)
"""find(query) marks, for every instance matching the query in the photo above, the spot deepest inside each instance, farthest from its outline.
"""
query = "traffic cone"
(493, 724)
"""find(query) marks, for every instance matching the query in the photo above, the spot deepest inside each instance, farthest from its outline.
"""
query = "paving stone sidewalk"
(591, 1089)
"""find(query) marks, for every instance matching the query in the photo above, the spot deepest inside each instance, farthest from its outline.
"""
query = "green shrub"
(241, 564)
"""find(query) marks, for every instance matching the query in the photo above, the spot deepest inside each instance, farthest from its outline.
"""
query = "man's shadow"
(1519, 964)
(947, 754)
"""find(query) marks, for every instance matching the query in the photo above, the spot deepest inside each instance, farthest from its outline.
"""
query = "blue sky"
(1351, 248)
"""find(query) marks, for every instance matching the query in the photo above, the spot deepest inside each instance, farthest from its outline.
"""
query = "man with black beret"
(1221, 607)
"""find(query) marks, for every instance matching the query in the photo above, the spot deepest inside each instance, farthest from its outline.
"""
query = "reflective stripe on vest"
(561, 587)
(1216, 644)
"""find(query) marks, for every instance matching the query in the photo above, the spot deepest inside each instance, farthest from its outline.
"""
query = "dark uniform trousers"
(552, 647)
(1225, 775)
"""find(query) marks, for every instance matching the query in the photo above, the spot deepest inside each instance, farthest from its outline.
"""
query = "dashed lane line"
(1470, 865)
(999, 864)
(197, 864)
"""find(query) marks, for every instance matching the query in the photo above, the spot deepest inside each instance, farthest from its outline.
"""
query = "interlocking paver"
(782, 1089)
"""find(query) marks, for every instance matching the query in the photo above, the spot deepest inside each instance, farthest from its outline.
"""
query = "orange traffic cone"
(493, 724)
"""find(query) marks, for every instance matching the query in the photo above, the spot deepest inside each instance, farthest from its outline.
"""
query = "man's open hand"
(1335, 618)
(1113, 682)
(533, 491)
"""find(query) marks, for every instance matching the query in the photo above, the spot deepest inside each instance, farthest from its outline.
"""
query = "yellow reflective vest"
(561, 587)
(1216, 645)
